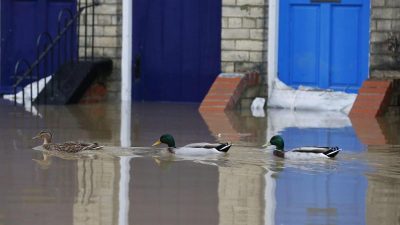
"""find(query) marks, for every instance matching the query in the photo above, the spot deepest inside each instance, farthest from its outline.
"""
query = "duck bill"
(157, 143)
(36, 137)
(267, 145)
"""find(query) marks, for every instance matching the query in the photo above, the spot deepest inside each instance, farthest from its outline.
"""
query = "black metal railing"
(51, 53)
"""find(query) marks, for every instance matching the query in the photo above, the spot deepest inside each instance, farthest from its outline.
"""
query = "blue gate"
(21, 24)
(176, 48)
(324, 43)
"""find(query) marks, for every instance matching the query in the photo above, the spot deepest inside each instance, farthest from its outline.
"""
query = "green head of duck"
(278, 142)
(166, 139)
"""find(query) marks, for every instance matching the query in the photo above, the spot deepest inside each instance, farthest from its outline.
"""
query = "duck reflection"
(164, 163)
(45, 162)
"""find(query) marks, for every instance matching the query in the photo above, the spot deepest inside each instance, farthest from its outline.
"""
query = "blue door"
(21, 24)
(176, 48)
(324, 44)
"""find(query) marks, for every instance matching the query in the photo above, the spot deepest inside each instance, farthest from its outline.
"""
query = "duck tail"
(332, 152)
(223, 147)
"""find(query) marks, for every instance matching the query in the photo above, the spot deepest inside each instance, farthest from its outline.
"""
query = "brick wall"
(108, 40)
(244, 44)
(385, 18)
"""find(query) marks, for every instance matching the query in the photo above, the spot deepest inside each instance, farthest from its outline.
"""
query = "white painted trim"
(126, 73)
(126, 129)
(273, 34)
(126, 59)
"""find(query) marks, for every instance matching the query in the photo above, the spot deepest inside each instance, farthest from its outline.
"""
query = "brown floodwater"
(142, 185)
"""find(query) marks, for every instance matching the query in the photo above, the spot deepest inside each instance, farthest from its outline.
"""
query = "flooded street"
(249, 185)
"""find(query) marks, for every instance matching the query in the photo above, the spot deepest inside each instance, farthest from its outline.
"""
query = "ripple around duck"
(265, 158)
(376, 161)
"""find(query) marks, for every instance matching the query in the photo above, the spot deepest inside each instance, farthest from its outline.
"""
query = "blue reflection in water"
(344, 138)
(326, 198)
(328, 193)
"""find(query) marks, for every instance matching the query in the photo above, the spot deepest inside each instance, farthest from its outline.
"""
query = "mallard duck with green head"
(70, 147)
(301, 152)
(194, 149)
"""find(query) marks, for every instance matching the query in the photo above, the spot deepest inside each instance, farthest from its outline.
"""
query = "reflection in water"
(320, 198)
(248, 186)
(240, 194)
(182, 193)
(97, 193)
(126, 114)
(313, 128)
(269, 198)
(382, 201)
(280, 119)
(123, 216)
(315, 192)
(383, 195)
(45, 162)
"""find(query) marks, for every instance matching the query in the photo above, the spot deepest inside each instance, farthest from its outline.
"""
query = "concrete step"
(73, 80)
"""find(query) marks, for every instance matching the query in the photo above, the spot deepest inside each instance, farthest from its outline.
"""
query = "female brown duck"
(71, 147)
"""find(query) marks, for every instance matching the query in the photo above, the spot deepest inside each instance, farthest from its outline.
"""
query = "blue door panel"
(304, 48)
(283, 53)
(324, 45)
(153, 43)
(178, 43)
(172, 40)
(191, 60)
(344, 46)
(22, 22)
(210, 46)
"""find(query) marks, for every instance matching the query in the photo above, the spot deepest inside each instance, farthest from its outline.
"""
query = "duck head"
(166, 139)
(45, 136)
(277, 141)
